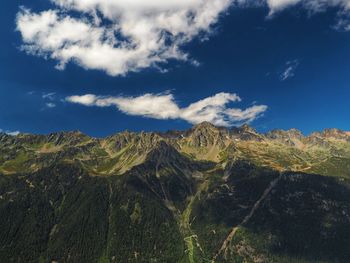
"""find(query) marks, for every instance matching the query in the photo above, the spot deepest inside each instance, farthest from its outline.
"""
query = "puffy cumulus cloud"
(117, 36)
(163, 106)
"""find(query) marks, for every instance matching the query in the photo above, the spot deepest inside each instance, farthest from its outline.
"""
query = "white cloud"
(163, 106)
(290, 69)
(135, 34)
(50, 105)
(49, 96)
(12, 133)
(249, 114)
(119, 37)
(315, 6)
(278, 5)
(87, 100)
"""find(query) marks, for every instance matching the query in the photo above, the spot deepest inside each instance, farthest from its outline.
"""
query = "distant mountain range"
(208, 194)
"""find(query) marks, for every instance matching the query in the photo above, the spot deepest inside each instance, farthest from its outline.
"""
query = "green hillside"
(208, 194)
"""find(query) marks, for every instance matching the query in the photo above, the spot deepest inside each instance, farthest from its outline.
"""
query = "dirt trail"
(230, 236)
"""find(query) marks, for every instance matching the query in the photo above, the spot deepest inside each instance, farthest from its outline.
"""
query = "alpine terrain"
(208, 194)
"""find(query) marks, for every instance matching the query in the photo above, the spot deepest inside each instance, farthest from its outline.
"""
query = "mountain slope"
(202, 195)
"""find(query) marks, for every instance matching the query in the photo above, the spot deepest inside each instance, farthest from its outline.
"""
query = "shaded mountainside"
(208, 194)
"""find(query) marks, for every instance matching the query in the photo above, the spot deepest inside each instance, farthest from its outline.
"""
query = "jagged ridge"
(320, 152)
(232, 195)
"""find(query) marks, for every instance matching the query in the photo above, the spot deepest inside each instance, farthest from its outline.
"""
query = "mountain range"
(207, 194)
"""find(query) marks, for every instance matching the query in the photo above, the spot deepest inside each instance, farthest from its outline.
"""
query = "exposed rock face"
(283, 135)
(292, 137)
(141, 142)
(119, 153)
(246, 133)
(208, 193)
(207, 135)
(336, 134)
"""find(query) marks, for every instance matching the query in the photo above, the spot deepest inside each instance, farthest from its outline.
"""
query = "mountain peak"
(204, 124)
(193, 183)
(247, 128)
(285, 134)
(332, 133)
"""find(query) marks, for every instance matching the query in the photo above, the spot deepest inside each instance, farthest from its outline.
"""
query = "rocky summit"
(208, 194)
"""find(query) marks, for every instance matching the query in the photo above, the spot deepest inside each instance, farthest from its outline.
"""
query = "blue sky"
(289, 69)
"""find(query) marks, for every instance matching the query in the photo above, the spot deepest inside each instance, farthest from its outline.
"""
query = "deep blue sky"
(246, 55)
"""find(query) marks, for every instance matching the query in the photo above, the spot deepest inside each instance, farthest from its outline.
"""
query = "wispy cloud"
(289, 71)
(278, 5)
(316, 6)
(12, 133)
(163, 106)
(49, 99)
(312, 5)
(50, 105)
(49, 96)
